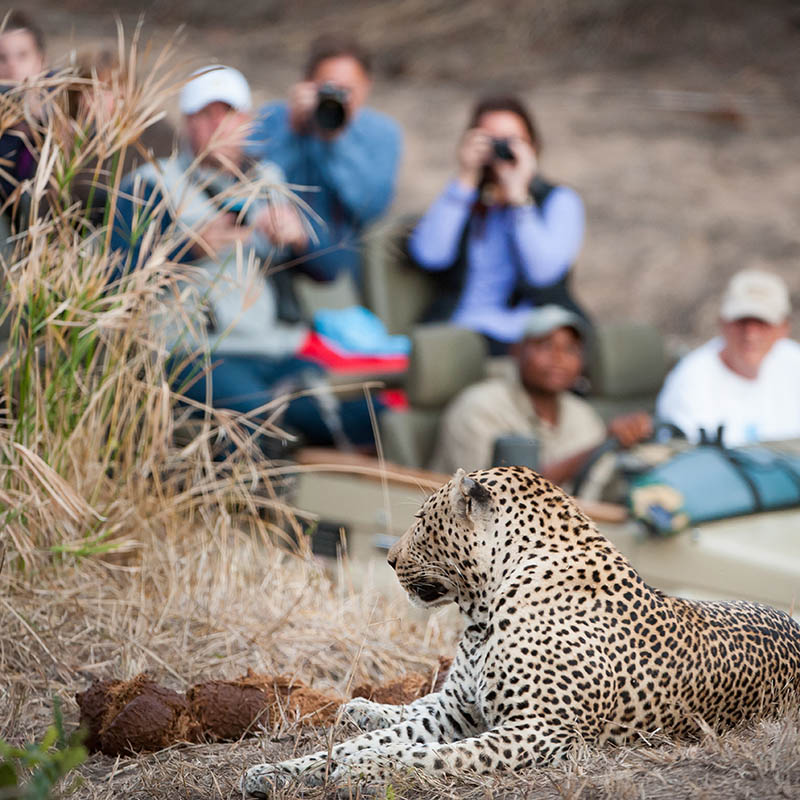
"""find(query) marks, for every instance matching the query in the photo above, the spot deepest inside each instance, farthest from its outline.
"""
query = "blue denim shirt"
(347, 181)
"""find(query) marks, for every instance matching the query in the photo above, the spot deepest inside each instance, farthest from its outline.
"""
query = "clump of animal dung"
(139, 715)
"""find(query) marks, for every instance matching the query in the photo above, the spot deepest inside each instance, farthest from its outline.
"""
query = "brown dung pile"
(139, 715)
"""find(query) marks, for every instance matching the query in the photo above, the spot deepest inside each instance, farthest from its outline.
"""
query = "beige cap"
(542, 321)
(215, 84)
(756, 293)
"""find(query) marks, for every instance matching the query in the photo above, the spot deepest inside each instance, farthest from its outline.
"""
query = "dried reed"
(120, 549)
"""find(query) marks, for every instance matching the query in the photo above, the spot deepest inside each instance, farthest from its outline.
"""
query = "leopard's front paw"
(370, 716)
(262, 780)
(365, 766)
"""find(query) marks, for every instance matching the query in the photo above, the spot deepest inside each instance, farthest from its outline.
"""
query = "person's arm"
(467, 433)
(434, 242)
(134, 215)
(547, 241)
(360, 165)
(628, 429)
(140, 206)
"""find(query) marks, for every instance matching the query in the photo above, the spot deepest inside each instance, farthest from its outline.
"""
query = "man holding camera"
(535, 402)
(344, 155)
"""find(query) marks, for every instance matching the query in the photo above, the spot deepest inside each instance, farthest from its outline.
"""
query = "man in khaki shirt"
(535, 403)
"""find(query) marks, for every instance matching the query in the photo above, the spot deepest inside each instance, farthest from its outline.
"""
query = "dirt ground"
(677, 122)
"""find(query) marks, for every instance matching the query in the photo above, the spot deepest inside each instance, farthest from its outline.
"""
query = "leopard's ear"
(469, 496)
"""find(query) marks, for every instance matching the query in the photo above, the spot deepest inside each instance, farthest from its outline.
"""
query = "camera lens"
(502, 150)
(331, 111)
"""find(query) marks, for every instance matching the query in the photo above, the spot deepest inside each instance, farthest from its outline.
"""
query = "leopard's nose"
(392, 561)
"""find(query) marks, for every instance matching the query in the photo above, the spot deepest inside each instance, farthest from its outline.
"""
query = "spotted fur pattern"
(564, 643)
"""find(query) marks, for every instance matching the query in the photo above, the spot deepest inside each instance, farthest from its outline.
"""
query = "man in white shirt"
(746, 381)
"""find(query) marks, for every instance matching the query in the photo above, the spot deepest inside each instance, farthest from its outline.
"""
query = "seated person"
(746, 381)
(233, 323)
(536, 403)
(22, 58)
(502, 239)
(347, 154)
(91, 102)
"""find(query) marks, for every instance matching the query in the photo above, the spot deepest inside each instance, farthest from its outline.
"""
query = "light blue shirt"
(348, 181)
(540, 243)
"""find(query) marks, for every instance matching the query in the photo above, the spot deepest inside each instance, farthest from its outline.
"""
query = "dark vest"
(450, 282)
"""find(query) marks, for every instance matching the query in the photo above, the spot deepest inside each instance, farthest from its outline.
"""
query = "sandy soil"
(677, 122)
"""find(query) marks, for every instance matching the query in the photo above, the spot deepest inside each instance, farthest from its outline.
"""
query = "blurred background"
(676, 121)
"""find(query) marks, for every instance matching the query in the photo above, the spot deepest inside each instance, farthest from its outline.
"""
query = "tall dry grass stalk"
(88, 415)
(123, 546)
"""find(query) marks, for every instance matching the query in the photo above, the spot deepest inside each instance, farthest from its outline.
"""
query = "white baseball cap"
(543, 320)
(756, 293)
(215, 84)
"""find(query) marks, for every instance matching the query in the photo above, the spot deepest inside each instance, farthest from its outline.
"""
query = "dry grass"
(121, 552)
(760, 762)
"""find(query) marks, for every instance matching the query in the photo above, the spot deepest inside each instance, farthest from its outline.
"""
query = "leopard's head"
(478, 527)
(441, 557)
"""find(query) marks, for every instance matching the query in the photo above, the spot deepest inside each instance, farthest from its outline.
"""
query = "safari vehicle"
(362, 504)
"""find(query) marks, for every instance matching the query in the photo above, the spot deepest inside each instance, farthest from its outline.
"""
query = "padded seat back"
(312, 295)
(444, 360)
(626, 367)
(398, 292)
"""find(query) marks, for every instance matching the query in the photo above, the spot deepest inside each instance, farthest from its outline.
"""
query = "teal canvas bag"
(712, 482)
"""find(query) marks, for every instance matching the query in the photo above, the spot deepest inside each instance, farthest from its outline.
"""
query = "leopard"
(563, 643)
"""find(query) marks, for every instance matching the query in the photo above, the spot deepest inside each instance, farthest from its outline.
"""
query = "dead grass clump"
(125, 549)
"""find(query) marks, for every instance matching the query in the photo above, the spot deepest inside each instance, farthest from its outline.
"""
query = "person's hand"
(514, 177)
(302, 102)
(474, 152)
(282, 225)
(219, 234)
(631, 428)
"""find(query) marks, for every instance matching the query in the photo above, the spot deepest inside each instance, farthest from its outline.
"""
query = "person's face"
(99, 99)
(747, 342)
(20, 58)
(219, 132)
(552, 363)
(347, 73)
(504, 125)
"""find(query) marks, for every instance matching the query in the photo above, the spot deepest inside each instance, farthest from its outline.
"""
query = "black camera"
(331, 111)
(502, 150)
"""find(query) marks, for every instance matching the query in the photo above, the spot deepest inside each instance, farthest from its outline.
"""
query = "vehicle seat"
(396, 290)
(341, 292)
(391, 286)
(626, 368)
(444, 360)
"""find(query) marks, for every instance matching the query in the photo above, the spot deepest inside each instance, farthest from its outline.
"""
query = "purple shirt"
(543, 243)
